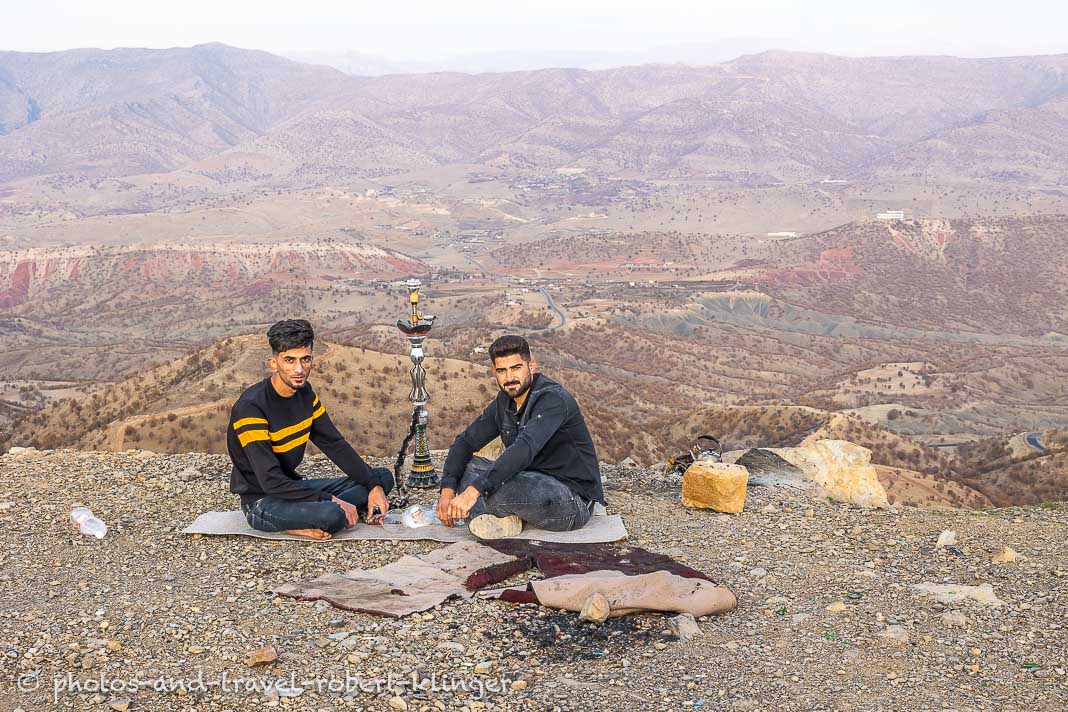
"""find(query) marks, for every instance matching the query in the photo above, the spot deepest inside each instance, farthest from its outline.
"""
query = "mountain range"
(792, 116)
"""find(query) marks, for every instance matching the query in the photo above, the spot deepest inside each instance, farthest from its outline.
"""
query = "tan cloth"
(408, 585)
(658, 591)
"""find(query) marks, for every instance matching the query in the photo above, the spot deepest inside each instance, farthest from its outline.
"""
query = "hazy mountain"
(517, 60)
(130, 111)
(791, 116)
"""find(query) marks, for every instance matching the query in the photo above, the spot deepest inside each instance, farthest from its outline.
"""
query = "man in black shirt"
(270, 426)
(548, 474)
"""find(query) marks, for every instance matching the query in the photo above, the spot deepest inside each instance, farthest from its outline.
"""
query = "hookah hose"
(400, 497)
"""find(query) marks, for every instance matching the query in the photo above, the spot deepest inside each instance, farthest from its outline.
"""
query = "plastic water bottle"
(84, 521)
(419, 515)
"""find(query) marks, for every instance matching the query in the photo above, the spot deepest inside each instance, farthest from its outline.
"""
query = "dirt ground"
(828, 616)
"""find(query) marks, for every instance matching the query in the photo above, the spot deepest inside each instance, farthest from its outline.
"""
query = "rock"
(843, 471)
(767, 469)
(947, 538)
(484, 667)
(25, 453)
(397, 702)
(758, 573)
(714, 485)
(120, 705)
(896, 633)
(262, 656)
(629, 463)
(684, 627)
(519, 685)
(953, 593)
(837, 607)
(954, 619)
(595, 609)
(1005, 556)
(189, 473)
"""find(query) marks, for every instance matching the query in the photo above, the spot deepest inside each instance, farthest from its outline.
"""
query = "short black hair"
(509, 345)
(290, 334)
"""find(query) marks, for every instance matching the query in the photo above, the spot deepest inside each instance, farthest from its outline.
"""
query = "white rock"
(954, 593)
(684, 626)
(954, 619)
(947, 538)
(896, 633)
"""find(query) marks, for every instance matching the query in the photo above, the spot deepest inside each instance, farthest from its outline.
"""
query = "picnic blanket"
(601, 528)
(631, 579)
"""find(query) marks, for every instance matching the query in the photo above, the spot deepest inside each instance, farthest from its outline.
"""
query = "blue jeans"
(271, 514)
(539, 499)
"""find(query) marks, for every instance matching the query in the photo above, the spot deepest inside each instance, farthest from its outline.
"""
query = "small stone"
(120, 705)
(660, 646)
(595, 609)
(114, 645)
(684, 627)
(896, 633)
(954, 619)
(484, 667)
(837, 607)
(262, 656)
(1005, 556)
(758, 573)
(519, 685)
(397, 702)
(947, 538)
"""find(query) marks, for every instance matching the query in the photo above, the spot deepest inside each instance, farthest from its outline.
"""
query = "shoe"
(487, 526)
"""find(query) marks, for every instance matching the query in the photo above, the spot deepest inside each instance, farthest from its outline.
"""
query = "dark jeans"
(271, 514)
(539, 499)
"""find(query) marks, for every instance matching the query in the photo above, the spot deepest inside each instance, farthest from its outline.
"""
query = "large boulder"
(842, 469)
(715, 485)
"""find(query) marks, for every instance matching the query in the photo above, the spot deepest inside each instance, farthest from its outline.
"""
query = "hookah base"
(423, 480)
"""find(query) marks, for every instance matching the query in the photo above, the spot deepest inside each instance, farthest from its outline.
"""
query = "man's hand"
(460, 506)
(376, 499)
(351, 514)
(442, 510)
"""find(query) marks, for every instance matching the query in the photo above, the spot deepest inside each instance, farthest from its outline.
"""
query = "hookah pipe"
(415, 328)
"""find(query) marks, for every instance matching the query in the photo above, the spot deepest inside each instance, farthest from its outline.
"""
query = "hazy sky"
(418, 30)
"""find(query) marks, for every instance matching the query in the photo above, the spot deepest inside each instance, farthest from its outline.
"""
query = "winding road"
(1032, 440)
(559, 312)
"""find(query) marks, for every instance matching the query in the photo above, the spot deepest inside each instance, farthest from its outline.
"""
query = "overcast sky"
(418, 30)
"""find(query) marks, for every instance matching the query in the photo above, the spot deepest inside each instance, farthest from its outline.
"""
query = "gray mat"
(601, 528)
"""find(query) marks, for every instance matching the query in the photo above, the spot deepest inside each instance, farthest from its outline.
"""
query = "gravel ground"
(827, 615)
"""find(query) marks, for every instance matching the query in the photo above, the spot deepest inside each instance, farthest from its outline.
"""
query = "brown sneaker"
(487, 526)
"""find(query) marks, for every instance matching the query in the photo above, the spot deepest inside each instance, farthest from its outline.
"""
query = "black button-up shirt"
(547, 435)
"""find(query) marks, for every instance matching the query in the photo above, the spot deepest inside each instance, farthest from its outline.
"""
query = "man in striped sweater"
(270, 426)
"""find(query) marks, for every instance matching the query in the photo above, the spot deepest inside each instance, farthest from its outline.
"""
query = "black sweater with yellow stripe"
(266, 439)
